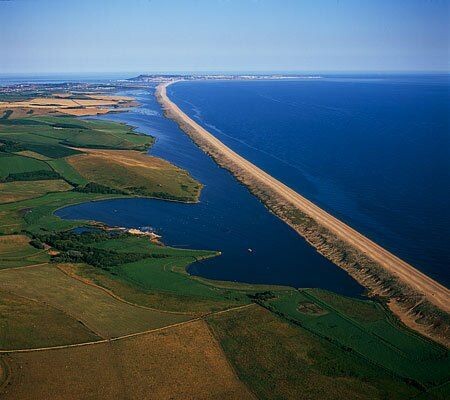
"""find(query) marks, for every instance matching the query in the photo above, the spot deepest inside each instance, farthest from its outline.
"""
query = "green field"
(11, 163)
(39, 148)
(369, 330)
(50, 136)
(280, 361)
(61, 166)
(36, 214)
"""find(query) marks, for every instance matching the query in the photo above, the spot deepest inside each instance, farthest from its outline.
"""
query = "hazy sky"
(234, 35)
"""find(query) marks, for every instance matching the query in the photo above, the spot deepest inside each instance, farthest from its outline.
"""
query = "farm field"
(22, 190)
(183, 362)
(26, 323)
(65, 104)
(162, 300)
(62, 167)
(103, 314)
(301, 365)
(12, 163)
(34, 215)
(369, 330)
(52, 137)
(16, 251)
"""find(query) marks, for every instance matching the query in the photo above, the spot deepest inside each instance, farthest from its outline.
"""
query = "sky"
(82, 36)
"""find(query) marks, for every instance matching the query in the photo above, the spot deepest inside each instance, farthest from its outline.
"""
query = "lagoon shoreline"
(419, 301)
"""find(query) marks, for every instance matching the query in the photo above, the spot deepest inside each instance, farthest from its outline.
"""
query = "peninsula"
(418, 300)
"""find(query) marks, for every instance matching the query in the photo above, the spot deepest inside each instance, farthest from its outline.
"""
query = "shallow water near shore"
(256, 246)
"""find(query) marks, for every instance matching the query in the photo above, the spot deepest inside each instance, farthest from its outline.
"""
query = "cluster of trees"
(77, 248)
(261, 296)
(9, 146)
(68, 126)
(7, 114)
(39, 175)
(166, 196)
(93, 187)
(37, 244)
(143, 191)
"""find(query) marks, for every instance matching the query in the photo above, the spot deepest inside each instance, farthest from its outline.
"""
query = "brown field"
(50, 102)
(21, 190)
(183, 362)
(12, 244)
(110, 97)
(96, 104)
(11, 222)
(28, 324)
(21, 112)
(128, 170)
(101, 313)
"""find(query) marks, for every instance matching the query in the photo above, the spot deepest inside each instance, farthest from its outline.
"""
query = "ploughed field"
(85, 300)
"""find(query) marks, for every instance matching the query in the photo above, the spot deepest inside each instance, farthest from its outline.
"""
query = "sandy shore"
(272, 191)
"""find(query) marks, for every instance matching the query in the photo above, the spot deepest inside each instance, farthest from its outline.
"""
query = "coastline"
(419, 301)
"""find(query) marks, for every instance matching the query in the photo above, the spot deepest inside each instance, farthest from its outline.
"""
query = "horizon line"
(227, 72)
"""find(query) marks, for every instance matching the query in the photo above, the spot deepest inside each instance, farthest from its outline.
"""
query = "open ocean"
(373, 151)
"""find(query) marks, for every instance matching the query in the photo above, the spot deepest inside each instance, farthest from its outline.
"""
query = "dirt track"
(435, 293)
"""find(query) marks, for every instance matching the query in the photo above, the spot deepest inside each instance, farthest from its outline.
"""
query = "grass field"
(32, 154)
(50, 136)
(61, 166)
(22, 190)
(25, 323)
(280, 361)
(12, 163)
(370, 331)
(16, 251)
(181, 363)
(37, 214)
(97, 310)
(136, 174)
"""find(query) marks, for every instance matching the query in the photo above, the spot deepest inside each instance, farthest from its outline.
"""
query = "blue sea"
(372, 150)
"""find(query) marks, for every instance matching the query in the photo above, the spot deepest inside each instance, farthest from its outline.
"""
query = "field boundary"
(115, 296)
(128, 336)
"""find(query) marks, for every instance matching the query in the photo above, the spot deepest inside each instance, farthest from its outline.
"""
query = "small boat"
(250, 250)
